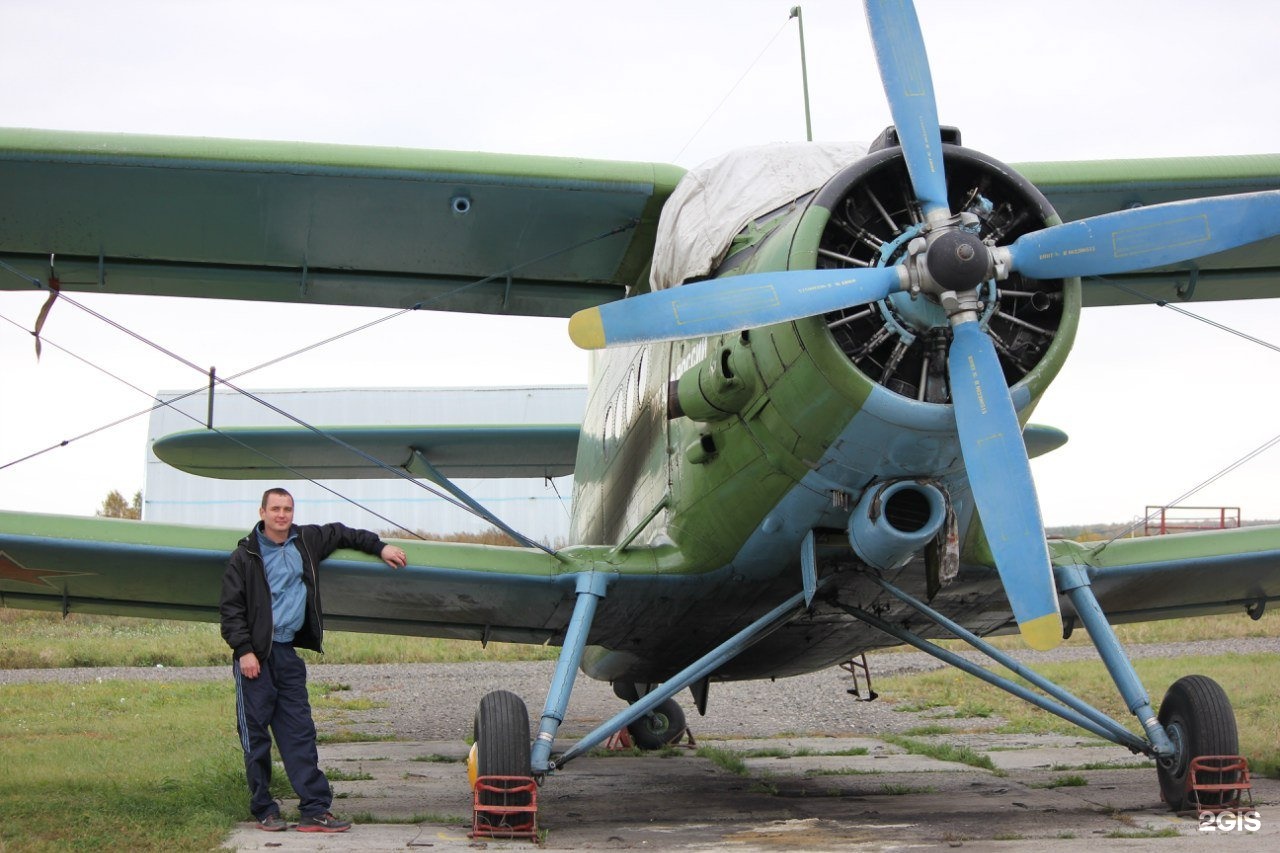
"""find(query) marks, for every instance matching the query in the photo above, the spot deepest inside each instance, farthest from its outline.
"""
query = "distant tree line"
(115, 506)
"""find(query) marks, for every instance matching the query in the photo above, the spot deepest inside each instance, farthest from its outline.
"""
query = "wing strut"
(420, 466)
(1073, 581)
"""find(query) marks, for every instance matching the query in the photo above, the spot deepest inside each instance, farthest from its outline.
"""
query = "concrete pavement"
(801, 793)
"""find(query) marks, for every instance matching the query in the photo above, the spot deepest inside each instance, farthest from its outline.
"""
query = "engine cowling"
(901, 342)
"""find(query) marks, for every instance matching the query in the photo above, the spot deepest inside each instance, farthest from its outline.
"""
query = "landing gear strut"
(1195, 718)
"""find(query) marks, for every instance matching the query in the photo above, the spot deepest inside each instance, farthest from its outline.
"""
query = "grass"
(1167, 832)
(126, 765)
(942, 751)
(424, 817)
(726, 758)
(351, 737)
(129, 765)
(40, 640)
(334, 774)
(1252, 697)
(1216, 627)
(119, 765)
(36, 639)
(841, 771)
(1072, 781)
(898, 790)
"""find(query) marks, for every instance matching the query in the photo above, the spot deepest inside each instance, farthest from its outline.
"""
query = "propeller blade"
(1000, 476)
(716, 306)
(1147, 237)
(904, 71)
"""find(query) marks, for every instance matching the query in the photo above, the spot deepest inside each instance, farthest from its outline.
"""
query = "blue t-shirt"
(283, 564)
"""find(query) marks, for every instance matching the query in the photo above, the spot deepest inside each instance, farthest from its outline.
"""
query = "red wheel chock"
(516, 813)
(1227, 779)
(621, 739)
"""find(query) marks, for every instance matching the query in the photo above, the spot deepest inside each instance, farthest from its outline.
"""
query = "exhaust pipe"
(893, 521)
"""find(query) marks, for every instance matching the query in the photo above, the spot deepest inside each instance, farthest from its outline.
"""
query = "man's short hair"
(266, 496)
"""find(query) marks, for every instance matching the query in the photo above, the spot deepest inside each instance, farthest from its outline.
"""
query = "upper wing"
(293, 222)
(257, 453)
(486, 233)
(130, 568)
(1081, 189)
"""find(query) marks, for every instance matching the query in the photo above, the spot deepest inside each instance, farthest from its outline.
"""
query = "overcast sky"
(1153, 402)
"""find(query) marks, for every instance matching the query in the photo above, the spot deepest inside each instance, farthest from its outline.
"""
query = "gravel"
(438, 701)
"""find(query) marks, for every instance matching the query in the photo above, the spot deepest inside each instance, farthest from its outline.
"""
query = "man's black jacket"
(246, 598)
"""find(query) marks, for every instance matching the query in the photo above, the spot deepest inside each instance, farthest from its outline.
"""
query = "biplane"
(807, 432)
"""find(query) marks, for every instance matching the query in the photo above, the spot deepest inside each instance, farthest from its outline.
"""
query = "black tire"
(663, 726)
(502, 745)
(1198, 718)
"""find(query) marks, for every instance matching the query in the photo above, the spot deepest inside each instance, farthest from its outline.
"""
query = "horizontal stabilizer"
(341, 453)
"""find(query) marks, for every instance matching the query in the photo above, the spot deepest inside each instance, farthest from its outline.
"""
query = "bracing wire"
(729, 94)
(485, 514)
(1213, 478)
(170, 403)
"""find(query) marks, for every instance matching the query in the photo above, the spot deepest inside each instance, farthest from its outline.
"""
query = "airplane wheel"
(502, 746)
(1198, 718)
(662, 726)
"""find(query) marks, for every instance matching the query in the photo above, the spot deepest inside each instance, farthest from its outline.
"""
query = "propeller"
(999, 471)
(995, 457)
(948, 263)
(904, 72)
(1145, 237)
(717, 306)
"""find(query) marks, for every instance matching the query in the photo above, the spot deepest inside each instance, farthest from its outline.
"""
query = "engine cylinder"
(902, 342)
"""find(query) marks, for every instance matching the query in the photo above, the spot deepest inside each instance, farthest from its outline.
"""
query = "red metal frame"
(505, 821)
(1233, 767)
(1159, 523)
(621, 739)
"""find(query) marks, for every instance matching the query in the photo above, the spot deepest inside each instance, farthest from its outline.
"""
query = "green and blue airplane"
(807, 428)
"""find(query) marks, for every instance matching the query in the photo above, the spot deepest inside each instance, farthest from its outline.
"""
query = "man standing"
(270, 605)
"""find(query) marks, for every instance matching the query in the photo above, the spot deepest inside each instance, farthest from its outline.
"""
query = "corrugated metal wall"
(537, 508)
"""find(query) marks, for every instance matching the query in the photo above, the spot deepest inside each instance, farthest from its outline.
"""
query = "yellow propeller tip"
(1043, 633)
(586, 329)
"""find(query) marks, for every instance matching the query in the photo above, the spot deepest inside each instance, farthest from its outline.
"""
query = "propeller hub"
(957, 260)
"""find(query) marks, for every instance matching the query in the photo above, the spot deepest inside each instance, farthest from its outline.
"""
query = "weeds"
(726, 758)
(352, 737)
(942, 751)
(1149, 832)
(338, 775)
(1251, 697)
(1073, 781)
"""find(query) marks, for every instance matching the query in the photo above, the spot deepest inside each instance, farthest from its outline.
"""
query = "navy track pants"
(275, 703)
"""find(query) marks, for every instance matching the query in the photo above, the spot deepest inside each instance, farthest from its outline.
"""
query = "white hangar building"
(538, 508)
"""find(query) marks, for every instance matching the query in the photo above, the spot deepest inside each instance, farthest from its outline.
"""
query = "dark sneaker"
(272, 823)
(324, 822)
